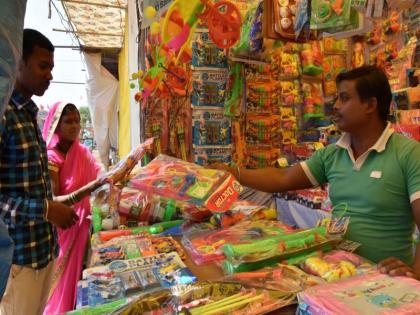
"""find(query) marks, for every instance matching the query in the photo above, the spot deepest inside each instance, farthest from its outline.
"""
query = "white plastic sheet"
(11, 30)
(102, 94)
(133, 67)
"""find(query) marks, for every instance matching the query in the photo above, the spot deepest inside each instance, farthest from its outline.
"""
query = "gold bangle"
(46, 210)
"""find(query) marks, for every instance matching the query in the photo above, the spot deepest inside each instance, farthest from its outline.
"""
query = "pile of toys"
(249, 82)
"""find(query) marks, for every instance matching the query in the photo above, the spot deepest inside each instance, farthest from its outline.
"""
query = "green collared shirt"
(378, 188)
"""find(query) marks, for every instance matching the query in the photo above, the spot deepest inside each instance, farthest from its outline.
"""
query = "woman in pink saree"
(73, 173)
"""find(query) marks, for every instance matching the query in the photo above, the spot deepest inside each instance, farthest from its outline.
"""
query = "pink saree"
(76, 169)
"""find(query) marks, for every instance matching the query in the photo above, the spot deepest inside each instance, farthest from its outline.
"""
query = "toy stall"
(250, 83)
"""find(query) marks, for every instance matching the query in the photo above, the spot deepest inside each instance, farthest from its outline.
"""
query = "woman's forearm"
(77, 195)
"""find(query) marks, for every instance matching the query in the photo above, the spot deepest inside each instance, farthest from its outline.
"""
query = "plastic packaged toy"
(330, 13)
(336, 265)
(205, 155)
(372, 293)
(209, 87)
(288, 65)
(284, 18)
(235, 88)
(187, 182)
(208, 298)
(118, 266)
(126, 277)
(311, 58)
(210, 127)
(103, 289)
(262, 157)
(262, 97)
(248, 301)
(104, 236)
(333, 65)
(167, 244)
(358, 55)
(222, 19)
(256, 30)
(243, 210)
(274, 246)
(125, 247)
(243, 45)
(263, 129)
(205, 53)
(335, 46)
(134, 203)
(205, 247)
(289, 93)
(313, 100)
(283, 278)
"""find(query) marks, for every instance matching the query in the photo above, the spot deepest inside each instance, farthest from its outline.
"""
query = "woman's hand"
(395, 267)
(95, 184)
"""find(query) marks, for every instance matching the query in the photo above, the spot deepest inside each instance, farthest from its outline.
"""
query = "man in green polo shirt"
(375, 171)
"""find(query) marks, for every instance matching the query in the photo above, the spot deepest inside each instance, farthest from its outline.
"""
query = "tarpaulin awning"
(97, 23)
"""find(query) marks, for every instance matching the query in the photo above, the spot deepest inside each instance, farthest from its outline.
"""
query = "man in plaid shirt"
(26, 204)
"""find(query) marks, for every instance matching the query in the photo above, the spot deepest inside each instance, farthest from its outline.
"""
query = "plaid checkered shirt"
(25, 185)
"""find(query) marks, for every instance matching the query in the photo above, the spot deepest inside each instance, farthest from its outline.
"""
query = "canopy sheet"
(98, 23)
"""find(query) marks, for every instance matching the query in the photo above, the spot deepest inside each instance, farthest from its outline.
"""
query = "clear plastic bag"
(205, 247)
(187, 182)
(336, 265)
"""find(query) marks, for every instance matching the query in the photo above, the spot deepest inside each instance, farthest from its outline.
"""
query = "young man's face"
(349, 111)
(34, 74)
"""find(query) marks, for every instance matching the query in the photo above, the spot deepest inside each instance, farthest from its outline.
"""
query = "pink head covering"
(51, 123)
(79, 166)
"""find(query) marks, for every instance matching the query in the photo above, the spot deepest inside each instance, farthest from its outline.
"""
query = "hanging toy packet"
(330, 13)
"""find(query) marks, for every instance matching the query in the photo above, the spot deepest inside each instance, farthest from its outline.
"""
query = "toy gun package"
(188, 182)
(205, 247)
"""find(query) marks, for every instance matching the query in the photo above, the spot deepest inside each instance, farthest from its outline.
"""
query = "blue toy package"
(210, 127)
(123, 278)
(82, 294)
(256, 38)
(205, 155)
(104, 289)
(209, 87)
(205, 53)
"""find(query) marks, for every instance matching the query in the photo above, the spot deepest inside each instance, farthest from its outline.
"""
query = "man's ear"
(372, 105)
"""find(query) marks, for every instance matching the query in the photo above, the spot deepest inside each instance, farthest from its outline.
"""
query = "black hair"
(371, 81)
(69, 108)
(32, 38)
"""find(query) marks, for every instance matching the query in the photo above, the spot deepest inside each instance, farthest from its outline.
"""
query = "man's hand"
(395, 267)
(61, 215)
(223, 167)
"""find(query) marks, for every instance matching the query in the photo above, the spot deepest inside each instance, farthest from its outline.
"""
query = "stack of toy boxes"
(211, 130)
(262, 119)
